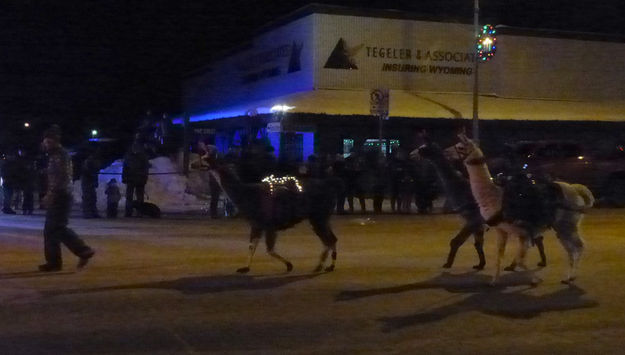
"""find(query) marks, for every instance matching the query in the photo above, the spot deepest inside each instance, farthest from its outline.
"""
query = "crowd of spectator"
(408, 185)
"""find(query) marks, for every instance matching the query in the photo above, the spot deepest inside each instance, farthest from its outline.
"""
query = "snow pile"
(166, 187)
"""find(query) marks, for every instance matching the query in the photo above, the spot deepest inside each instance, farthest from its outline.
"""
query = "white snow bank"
(166, 187)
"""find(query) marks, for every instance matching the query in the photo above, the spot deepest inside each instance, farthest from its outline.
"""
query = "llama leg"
(254, 239)
(479, 247)
(332, 265)
(502, 238)
(519, 259)
(270, 240)
(322, 259)
(524, 245)
(541, 250)
(324, 232)
(574, 246)
(456, 243)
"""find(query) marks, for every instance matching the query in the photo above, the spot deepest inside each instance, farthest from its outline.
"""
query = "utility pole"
(476, 13)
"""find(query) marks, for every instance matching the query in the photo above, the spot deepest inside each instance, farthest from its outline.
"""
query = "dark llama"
(279, 203)
(458, 192)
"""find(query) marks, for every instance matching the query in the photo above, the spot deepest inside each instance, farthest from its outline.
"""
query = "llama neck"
(230, 184)
(486, 193)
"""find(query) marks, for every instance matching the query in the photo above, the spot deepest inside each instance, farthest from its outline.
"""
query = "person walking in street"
(135, 176)
(58, 201)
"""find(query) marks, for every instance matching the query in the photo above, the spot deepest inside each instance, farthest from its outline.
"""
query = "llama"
(280, 203)
(458, 194)
(573, 200)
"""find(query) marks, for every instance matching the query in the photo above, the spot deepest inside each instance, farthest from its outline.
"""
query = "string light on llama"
(273, 181)
(486, 43)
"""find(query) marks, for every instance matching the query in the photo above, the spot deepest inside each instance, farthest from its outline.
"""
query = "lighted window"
(348, 145)
(374, 144)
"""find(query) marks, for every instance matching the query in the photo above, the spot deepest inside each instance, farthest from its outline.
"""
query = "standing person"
(380, 174)
(352, 172)
(27, 181)
(339, 170)
(400, 182)
(112, 198)
(209, 153)
(10, 180)
(58, 201)
(88, 184)
(425, 177)
(135, 176)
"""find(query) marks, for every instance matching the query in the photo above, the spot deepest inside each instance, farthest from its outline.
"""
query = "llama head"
(466, 149)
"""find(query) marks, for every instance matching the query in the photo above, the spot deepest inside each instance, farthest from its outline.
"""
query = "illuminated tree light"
(486, 43)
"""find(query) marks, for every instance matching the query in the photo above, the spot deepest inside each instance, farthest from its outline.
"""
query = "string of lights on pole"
(486, 43)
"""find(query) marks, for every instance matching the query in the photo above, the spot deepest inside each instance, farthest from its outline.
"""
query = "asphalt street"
(169, 286)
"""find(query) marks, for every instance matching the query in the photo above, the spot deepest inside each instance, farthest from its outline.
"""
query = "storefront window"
(374, 144)
(348, 145)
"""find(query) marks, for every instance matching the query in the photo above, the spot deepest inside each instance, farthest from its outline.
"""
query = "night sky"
(103, 63)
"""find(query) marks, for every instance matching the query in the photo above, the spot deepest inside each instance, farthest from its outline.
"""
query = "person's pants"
(55, 231)
(111, 210)
(28, 204)
(7, 195)
(89, 201)
(133, 190)
(215, 191)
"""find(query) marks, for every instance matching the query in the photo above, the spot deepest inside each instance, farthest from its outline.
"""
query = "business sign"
(274, 127)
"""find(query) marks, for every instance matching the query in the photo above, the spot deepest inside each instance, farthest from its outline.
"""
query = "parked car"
(603, 173)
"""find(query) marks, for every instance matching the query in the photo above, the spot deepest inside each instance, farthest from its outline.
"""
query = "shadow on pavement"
(482, 298)
(30, 274)
(455, 283)
(201, 285)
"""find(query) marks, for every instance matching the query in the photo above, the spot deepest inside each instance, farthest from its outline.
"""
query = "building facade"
(307, 83)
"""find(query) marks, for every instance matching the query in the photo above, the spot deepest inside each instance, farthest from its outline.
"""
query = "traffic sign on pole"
(379, 102)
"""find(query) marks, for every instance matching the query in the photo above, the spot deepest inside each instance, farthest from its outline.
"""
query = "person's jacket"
(59, 172)
(135, 169)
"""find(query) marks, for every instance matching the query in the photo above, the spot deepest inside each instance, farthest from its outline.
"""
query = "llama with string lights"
(279, 203)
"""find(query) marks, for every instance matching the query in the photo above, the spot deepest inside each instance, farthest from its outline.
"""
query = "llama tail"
(586, 195)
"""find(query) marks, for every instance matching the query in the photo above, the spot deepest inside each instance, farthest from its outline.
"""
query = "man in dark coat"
(58, 201)
(135, 176)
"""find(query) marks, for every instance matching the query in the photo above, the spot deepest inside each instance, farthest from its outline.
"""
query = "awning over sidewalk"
(430, 105)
